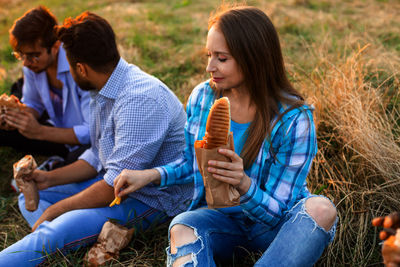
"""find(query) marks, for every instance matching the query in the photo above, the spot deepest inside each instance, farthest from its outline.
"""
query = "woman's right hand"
(129, 181)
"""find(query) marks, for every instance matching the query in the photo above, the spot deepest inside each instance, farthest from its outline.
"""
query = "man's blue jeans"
(74, 229)
(296, 241)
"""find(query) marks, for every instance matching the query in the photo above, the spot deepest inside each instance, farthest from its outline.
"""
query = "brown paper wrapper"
(112, 238)
(218, 194)
(22, 169)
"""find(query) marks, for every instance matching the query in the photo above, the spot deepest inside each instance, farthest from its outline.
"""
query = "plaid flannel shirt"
(278, 181)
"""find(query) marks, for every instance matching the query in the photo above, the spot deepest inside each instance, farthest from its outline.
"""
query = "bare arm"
(97, 195)
(75, 172)
(58, 135)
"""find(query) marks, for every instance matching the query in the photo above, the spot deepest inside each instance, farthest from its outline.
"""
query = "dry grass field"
(344, 56)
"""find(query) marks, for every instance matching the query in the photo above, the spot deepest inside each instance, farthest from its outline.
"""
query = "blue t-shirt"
(239, 135)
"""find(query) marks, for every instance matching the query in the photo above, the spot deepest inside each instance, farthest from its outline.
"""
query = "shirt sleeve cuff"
(110, 176)
(163, 174)
(82, 134)
(91, 158)
(245, 199)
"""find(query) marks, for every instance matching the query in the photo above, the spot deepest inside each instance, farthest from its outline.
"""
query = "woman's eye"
(222, 59)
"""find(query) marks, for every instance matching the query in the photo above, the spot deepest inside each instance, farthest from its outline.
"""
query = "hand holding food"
(129, 181)
(11, 102)
(8, 103)
(25, 122)
(218, 194)
(23, 169)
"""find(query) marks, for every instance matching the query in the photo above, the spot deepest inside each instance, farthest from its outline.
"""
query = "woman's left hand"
(230, 172)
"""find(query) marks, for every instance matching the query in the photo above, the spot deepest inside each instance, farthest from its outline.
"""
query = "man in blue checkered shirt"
(136, 122)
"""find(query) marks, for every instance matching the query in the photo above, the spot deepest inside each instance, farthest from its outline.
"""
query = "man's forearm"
(77, 171)
(97, 195)
(58, 135)
(100, 194)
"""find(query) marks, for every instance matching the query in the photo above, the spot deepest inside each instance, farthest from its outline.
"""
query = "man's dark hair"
(36, 24)
(89, 39)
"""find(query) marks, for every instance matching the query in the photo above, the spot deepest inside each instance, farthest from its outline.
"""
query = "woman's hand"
(230, 172)
(132, 180)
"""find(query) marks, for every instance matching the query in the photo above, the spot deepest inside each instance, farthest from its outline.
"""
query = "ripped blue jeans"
(296, 241)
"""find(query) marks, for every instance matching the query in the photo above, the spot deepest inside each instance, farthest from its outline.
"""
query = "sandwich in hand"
(217, 135)
(22, 169)
(11, 102)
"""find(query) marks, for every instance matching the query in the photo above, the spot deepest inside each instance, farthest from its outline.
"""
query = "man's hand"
(3, 123)
(390, 223)
(42, 179)
(25, 122)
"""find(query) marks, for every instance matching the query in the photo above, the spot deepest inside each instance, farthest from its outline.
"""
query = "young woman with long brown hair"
(275, 143)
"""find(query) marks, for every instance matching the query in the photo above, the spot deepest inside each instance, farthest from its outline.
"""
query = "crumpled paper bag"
(218, 194)
(112, 238)
(22, 169)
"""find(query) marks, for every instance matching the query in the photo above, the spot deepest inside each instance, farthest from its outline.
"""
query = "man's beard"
(84, 84)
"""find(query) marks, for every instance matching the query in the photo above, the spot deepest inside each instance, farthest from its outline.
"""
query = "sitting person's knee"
(322, 211)
(181, 235)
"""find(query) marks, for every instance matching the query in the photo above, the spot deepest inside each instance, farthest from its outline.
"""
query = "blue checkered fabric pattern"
(137, 123)
(278, 178)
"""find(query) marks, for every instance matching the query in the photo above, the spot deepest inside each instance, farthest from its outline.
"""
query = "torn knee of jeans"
(192, 249)
(303, 214)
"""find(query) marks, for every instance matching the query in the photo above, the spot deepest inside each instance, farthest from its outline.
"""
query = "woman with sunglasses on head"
(275, 143)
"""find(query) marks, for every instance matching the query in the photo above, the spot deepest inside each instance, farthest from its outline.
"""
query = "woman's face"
(223, 68)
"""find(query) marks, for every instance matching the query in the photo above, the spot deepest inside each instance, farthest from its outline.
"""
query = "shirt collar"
(62, 64)
(111, 88)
